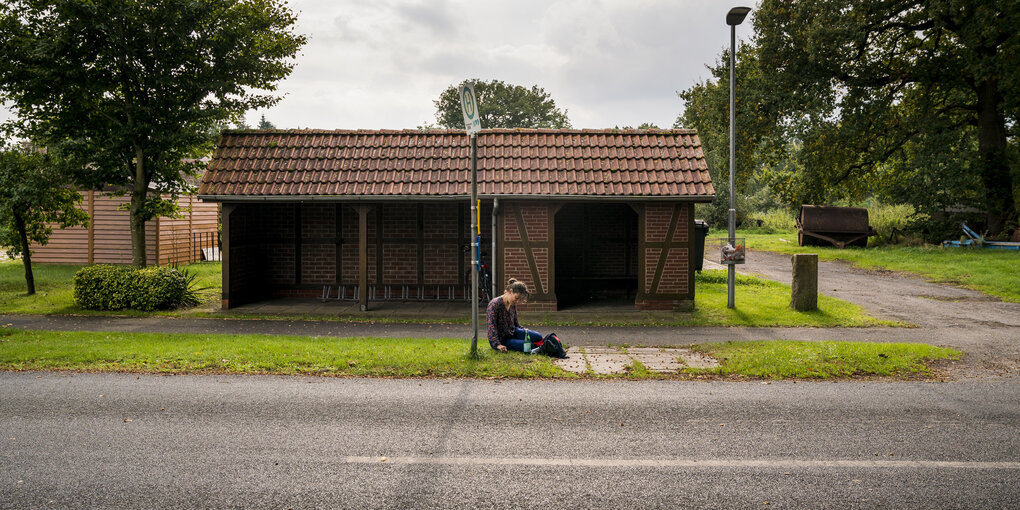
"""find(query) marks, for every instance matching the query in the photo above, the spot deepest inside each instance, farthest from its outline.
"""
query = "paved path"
(125, 441)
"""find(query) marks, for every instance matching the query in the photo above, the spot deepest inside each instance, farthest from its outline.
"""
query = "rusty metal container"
(819, 225)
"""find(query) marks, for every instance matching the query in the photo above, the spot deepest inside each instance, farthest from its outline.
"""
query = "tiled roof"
(528, 162)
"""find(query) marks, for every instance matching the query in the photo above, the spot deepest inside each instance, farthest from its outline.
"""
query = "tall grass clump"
(771, 221)
(894, 223)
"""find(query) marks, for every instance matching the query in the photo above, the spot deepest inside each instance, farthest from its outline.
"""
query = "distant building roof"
(523, 163)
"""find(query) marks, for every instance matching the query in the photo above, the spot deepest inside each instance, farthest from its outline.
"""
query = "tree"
(33, 196)
(134, 88)
(265, 124)
(502, 105)
(707, 109)
(917, 99)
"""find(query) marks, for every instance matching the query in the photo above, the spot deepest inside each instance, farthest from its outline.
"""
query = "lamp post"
(733, 18)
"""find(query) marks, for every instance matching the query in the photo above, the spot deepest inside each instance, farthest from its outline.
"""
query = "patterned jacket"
(501, 321)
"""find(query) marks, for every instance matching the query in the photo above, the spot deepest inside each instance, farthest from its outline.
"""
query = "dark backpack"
(551, 346)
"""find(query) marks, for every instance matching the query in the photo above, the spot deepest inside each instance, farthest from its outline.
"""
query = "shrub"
(103, 287)
(772, 221)
(119, 288)
(892, 223)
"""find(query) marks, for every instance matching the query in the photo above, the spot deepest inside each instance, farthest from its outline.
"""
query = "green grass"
(783, 359)
(759, 303)
(262, 354)
(421, 357)
(55, 292)
(993, 272)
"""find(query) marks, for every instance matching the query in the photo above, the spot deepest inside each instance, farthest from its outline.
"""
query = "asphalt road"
(125, 441)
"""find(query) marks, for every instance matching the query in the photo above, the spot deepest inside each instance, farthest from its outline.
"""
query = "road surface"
(126, 441)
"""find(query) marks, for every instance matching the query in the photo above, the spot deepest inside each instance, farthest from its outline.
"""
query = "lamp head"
(736, 15)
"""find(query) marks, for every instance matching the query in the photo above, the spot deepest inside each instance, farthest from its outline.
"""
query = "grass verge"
(420, 357)
(55, 290)
(786, 359)
(760, 303)
(261, 354)
(989, 271)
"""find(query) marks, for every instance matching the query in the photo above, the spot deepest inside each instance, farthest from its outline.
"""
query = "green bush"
(119, 288)
(772, 221)
(103, 287)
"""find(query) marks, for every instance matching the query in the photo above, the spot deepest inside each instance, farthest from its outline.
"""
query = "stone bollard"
(805, 282)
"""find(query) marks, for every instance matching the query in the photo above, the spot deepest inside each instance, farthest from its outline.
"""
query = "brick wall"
(667, 250)
(444, 259)
(515, 263)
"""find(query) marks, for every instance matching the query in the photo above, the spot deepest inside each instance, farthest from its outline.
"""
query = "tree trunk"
(138, 193)
(994, 164)
(26, 254)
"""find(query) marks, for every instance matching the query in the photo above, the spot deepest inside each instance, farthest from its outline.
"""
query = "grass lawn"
(990, 271)
(760, 303)
(420, 357)
(54, 292)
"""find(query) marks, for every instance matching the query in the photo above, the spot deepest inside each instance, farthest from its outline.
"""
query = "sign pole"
(474, 245)
(472, 125)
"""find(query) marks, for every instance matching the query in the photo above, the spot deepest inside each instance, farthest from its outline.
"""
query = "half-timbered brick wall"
(296, 248)
(527, 250)
(665, 275)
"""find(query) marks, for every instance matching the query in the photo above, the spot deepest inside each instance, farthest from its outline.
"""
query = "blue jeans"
(517, 342)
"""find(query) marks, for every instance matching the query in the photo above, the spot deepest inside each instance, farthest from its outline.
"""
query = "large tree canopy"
(502, 105)
(32, 199)
(917, 99)
(133, 87)
(706, 109)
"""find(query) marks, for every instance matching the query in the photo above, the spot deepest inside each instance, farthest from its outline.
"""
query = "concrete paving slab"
(657, 360)
(574, 363)
(610, 360)
(697, 360)
(609, 363)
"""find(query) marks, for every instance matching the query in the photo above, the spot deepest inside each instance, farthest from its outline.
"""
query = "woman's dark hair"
(517, 287)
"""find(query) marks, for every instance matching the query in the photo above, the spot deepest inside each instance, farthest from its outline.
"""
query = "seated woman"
(505, 332)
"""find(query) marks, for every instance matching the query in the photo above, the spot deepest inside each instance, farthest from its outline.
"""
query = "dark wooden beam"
(461, 274)
(297, 243)
(363, 257)
(420, 251)
(379, 244)
(224, 221)
(339, 227)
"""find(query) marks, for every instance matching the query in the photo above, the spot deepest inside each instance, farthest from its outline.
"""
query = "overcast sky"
(380, 63)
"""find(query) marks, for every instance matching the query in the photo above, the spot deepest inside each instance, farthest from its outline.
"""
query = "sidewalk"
(572, 335)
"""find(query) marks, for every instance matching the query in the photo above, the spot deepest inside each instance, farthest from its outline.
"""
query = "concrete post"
(805, 282)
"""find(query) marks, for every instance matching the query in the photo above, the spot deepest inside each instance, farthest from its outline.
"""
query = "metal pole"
(474, 245)
(492, 256)
(731, 275)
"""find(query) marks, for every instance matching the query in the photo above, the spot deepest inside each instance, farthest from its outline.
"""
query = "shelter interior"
(596, 254)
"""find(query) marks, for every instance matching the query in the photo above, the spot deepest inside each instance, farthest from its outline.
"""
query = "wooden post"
(804, 290)
(225, 211)
(363, 257)
(159, 246)
(92, 227)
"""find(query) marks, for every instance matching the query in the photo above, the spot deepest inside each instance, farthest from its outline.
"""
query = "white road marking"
(687, 463)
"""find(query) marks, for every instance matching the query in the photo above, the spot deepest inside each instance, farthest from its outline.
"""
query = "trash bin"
(700, 233)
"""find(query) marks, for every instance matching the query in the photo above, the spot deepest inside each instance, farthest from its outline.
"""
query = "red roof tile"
(535, 162)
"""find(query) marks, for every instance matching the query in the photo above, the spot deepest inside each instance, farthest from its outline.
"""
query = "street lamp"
(733, 18)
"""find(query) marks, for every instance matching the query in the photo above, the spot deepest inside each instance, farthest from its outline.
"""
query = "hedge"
(104, 287)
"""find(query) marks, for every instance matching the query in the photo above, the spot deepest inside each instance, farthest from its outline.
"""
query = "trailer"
(840, 226)
(974, 240)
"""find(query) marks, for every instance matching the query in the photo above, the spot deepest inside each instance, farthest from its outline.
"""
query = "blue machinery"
(975, 241)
